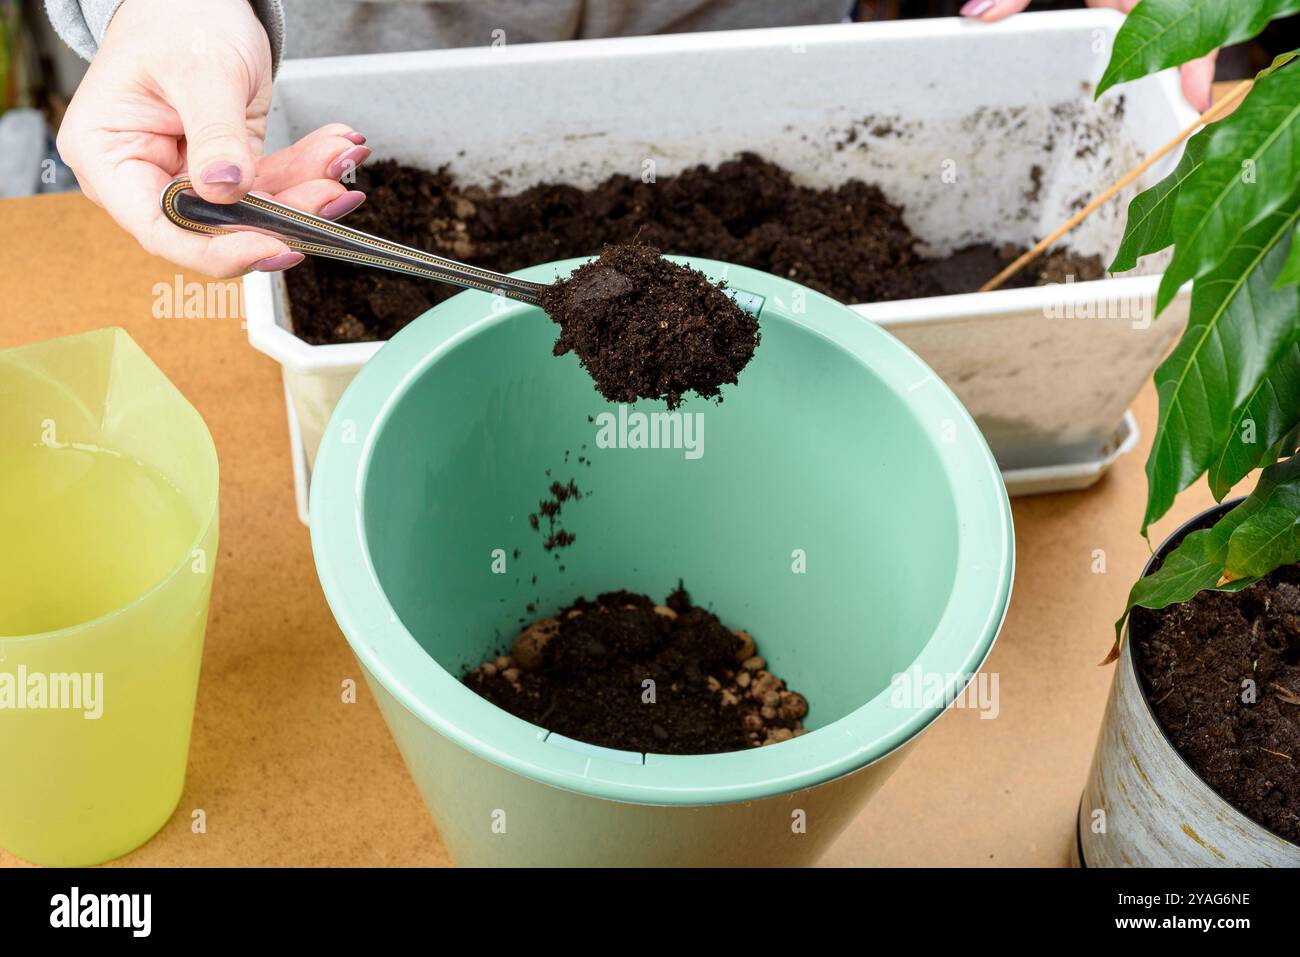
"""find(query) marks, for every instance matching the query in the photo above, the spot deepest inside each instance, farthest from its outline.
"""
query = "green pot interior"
(842, 507)
(809, 455)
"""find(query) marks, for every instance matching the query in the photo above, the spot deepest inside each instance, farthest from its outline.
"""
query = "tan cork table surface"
(288, 774)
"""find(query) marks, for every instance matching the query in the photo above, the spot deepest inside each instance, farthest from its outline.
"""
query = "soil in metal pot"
(1222, 672)
(622, 672)
(647, 328)
(849, 242)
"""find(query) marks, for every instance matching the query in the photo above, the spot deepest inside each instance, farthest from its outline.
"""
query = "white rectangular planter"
(951, 118)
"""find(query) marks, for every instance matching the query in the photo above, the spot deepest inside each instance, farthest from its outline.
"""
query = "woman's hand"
(185, 85)
(1198, 75)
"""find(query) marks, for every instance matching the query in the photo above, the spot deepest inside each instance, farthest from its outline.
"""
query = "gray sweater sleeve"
(81, 23)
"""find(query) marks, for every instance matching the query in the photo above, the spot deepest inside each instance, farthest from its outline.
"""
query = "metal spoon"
(314, 236)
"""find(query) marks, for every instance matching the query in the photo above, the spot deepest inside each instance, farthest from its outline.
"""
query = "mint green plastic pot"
(845, 510)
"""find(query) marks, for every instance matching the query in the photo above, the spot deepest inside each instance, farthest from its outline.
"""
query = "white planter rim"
(672, 43)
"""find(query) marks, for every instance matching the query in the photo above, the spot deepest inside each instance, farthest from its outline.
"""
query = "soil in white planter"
(622, 672)
(1222, 673)
(849, 242)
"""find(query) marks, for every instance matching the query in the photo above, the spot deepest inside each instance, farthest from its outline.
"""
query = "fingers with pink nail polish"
(347, 162)
(990, 10)
(277, 263)
(216, 174)
(342, 205)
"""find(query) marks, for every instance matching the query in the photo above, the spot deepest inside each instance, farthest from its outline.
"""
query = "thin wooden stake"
(1209, 116)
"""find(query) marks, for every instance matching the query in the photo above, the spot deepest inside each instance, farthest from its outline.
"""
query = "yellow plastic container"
(108, 506)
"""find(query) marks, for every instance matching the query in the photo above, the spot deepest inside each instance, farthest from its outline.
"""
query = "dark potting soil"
(849, 242)
(971, 266)
(1195, 659)
(647, 328)
(583, 674)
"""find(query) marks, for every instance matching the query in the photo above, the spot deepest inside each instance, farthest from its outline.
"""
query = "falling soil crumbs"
(583, 674)
(848, 242)
(1196, 660)
(647, 328)
(548, 510)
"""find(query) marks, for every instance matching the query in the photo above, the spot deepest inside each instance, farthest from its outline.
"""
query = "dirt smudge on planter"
(1187, 829)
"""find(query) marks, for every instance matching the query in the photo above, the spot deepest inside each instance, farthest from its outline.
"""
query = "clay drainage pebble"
(622, 672)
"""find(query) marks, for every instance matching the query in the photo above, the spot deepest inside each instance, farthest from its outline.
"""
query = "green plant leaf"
(1279, 61)
(1237, 324)
(1258, 525)
(1290, 274)
(1261, 424)
(1265, 542)
(1162, 33)
(1202, 560)
(1151, 214)
(1248, 171)
(1194, 566)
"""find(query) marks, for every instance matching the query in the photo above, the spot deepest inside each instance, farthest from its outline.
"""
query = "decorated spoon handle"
(314, 236)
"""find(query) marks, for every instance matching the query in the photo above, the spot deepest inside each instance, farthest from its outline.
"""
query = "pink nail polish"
(276, 263)
(350, 160)
(220, 173)
(354, 137)
(342, 205)
(976, 8)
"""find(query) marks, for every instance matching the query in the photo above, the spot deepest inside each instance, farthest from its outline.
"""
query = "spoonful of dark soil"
(647, 328)
(642, 326)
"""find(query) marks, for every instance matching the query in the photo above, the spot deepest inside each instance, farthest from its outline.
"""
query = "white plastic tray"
(1067, 476)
